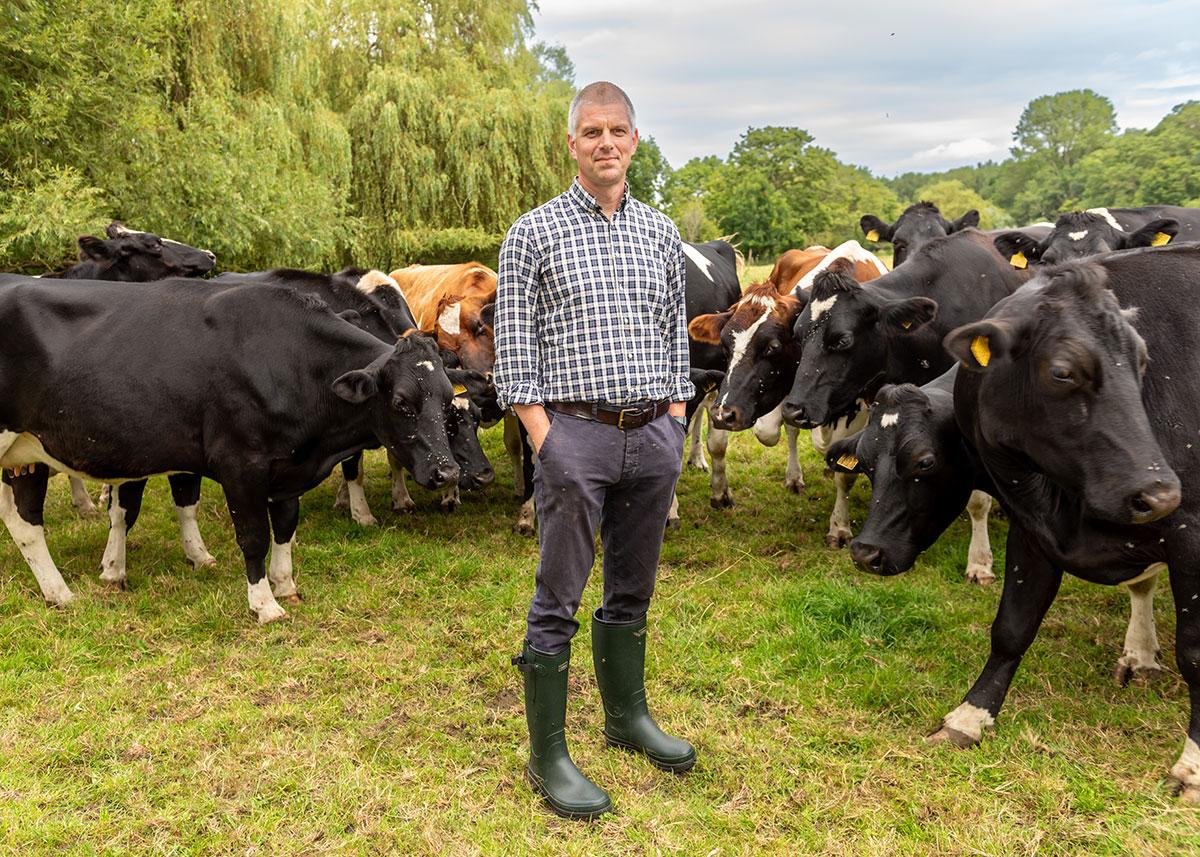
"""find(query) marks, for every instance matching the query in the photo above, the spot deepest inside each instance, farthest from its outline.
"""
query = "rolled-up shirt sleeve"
(679, 363)
(518, 375)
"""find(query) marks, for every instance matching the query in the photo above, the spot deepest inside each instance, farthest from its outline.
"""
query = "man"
(592, 353)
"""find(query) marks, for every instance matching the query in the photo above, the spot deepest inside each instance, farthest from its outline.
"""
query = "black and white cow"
(260, 389)
(916, 226)
(135, 257)
(1080, 234)
(1080, 398)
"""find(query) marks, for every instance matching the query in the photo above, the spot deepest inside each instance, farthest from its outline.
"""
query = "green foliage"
(953, 199)
(647, 172)
(1064, 127)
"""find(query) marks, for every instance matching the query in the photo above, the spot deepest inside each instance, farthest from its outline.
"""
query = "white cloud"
(971, 149)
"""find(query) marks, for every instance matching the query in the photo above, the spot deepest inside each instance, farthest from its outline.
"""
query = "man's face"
(603, 144)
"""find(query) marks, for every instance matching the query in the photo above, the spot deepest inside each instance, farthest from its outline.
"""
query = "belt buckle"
(621, 416)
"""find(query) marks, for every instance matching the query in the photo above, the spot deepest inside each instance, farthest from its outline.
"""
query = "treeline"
(1069, 155)
(277, 132)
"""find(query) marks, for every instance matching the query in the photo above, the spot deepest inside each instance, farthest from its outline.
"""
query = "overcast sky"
(890, 86)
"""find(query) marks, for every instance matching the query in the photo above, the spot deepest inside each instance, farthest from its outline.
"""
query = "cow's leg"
(1183, 549)
(246, 494)
(285, 515)
(1138, 660)
(512, 444)
(105, 495)
(22, 499)
(527, 517)
(979, 554)
(354, 478)
(124, 505)
(673, 512)
(401, 500)
(696, 452)
(839, 534)
(793, 479)
(718, 442)
(450, 498)
(1030, 584)
(185, 491)
(350, 471)
(81, 499)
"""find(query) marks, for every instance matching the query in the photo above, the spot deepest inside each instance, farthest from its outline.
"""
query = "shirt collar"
(588, 202)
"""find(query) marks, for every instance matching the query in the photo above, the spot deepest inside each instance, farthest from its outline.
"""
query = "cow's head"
(410, 399)
(464, 326)
(917, 226)
(384, 291)
(920, 470)
(1079, 234)
(1058, 370)
(138, 257)
(480, 388)
(756, 334)
(843, 335)
(465, 417)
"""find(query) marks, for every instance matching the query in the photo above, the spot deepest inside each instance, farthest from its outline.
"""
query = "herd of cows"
(1053, 368)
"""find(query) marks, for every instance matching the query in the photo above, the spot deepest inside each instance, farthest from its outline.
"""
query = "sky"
(892, 86)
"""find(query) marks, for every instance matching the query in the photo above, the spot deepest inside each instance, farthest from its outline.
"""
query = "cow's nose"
(725, 418)
(867, 557)
(794, 414)
(1155, 502)
(212, 257)
(446, 474)
(485, 476)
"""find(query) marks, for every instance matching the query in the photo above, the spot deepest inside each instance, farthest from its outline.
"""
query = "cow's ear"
(487, 314)
(115, 229)
(356, 386)
(909, 314)
(875, 229)
(793, 305)
(842, 455)
(351, 315)
(980, 345)
(449, 315)
(707, 328)
(970, 219)
(1018, 248)
(91, 247)
(1154, 234)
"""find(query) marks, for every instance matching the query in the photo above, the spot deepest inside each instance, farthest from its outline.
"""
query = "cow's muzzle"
(1155, 502)
(871, 558)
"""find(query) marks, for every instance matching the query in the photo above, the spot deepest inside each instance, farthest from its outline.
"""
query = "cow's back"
(424, 287)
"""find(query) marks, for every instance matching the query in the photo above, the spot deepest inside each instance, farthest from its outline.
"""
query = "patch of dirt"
(503, 702)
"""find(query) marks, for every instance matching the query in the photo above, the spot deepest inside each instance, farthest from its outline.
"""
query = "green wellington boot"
(550, 770)
(619, 652)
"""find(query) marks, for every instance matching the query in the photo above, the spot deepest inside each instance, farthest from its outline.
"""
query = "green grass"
(383, 715)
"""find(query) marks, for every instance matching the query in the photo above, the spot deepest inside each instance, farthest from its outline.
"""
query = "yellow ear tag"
(906, 324)
(873, 235)
(1018, 260)
(981, 350)
(1160, 239)
(848, 461)
(460, 390)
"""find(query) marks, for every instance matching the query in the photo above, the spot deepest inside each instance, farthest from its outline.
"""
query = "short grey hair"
(600, 92)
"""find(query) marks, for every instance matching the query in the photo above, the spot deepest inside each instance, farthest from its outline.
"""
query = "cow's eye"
(926, 463)
(772, 347)
(1062, 374)
(841, 343)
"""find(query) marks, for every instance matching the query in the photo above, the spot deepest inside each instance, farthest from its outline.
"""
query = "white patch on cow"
(426, 365)
(851, 250)
(279, 572)
(402, 501)
(760, 300)
(1187, 770)
(373, 279)
(1045, 223)
(23, 448)
(979, 553)
(451, 319)
(699, 260)
(1107, 215)
(819, 308)
(741, 341)
(189, 533)
(1141, 638)
(718, 443)
(356, 497)
(31, 541)
(112, 565)
(696, 450)
(768, 426)
(793, 477)
(461, 402)
(262, 602)
(969, 719)
(889, 420)
(1077, 236)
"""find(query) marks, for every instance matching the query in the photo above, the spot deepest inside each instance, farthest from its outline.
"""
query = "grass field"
(383, 716)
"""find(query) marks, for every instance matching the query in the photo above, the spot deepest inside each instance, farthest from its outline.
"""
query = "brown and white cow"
(795, 269)
(458, 303)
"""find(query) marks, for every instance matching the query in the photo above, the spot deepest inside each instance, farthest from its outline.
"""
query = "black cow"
(135, 257)
(919, 224)
(1090, 465)
(1080, 234)
(260, 389)
(856, 338)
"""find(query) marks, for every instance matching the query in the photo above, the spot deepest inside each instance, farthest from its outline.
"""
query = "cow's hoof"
(698, 465)
(980, 575)
(115, 584)
(721, 501)
(270, 613)
(89, 511)
(837, 539)
(405, 508)
(796, 486)
(341, 502)
(1128, 672)
(293, 599)
(365, 520)
(448, 508)
(59, 599)
(1186, 792)
(948, 735)
(206, 561)
(523, 529)
(673, 523)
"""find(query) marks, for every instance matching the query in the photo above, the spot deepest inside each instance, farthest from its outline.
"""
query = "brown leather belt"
(622, 418)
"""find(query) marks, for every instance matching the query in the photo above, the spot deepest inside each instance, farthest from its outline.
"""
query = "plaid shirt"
(590, 309)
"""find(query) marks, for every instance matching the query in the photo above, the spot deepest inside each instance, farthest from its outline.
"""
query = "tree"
(1064, 127)
(648, 172)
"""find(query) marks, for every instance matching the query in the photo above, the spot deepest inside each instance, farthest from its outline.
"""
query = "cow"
(457, 303)
(260, 389)
(922, 472)
(916, 226)
(1096, 466)
(1080, 234)
(130, 256)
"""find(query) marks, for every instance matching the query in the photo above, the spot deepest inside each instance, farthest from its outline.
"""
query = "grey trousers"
(587, 474)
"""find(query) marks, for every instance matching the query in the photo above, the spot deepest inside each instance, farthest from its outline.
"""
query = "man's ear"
(1018, 248)
(842, 455)
(980, 345)
(356, 386)
(707, 328)
(875, 229)
(971, 218)
(909, 314)
(1154, 234)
